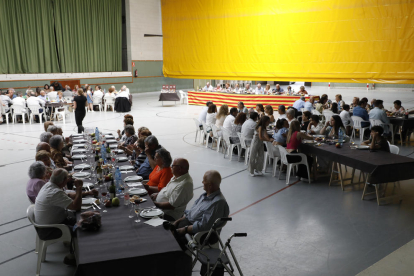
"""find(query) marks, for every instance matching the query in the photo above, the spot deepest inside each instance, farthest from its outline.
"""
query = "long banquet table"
(249, 100)
(123, 247)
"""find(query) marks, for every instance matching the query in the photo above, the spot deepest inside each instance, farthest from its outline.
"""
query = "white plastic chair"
(41, 245)
(357, 125)
(3, 112)
(198, 129)
(230, 146)
(68, 99)
(96, 100)
(216, 137)
(62, 113)
(271, 153)
(375, 122)
(110, 101)
(394, 149)
(205, 134)
(52, 96)
(35, 111)
(19, 110)
(245, 147)
(183, 96)
(316, 112)
(328, 115)
(283, 157)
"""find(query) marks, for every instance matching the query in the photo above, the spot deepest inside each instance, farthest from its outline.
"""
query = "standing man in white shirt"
(208, 87)
(173, 199)
(248, 127)
(259, 89)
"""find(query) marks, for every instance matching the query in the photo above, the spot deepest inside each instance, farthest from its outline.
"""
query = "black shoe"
(70, 260)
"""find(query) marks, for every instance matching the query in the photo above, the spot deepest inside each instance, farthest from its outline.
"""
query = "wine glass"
(137, 209)
(131, 210)
(104, 193)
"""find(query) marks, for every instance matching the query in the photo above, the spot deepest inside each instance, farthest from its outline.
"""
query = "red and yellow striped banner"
(249, 100)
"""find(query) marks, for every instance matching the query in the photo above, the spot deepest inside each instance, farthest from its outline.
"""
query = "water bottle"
(340, 135)
(118, 180)
(103, 153)
(97, 134)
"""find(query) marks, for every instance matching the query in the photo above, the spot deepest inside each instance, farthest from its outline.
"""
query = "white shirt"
(6, 100)
(211, 118)
(109, 95)
(178, 192)
(51, 204)
(210, 88)
(317, 129)
(259, 90)
(98, 93)
(203, 115)
(346, 118)
(279, 116)
(248, 129)
(229, 124)
(220, 121)
(123, 94)
(34, 101)
(19, 101)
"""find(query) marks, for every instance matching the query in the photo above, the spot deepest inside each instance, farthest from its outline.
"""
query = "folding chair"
(209, 250)
(245, 147)
(271, 153)
(357, 125)
(283, 157)
(199, 128)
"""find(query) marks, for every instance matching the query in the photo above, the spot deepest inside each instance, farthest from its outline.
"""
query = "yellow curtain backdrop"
(319, 40)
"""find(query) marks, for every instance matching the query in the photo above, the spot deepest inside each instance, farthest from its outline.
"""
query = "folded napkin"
(156, 221)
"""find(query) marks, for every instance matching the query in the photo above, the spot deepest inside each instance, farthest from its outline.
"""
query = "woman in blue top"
(281, 130)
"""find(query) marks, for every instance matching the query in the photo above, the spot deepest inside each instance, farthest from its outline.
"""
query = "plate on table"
(150, 213)
(113, 146)
(133, 178)
(78, 150)
(319, 136)
(81, 175)
(137, 191)
(88, 200)
(75, 146)
(77, 135)
(117, 151)
(80, 141)
(134, 184)
(122, 159)
(109, 136)
(87, 184)
(82, 166)
(309, 142)
(79, 156)
(362, 147)
(111, 141)
(126, 167)
(106, 133)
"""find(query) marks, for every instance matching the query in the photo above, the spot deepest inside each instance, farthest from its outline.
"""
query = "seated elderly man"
(278, 89)
(281, 110)
(290, 115)
(299, 103)
(46, 147)
(308, 106)
(259, 89)
(52, 204)
(247, 88)
(6, 100)
(151, 146)
(210, 206)
(179, 191)
(208, 87)
(45, 137)
(378, 113)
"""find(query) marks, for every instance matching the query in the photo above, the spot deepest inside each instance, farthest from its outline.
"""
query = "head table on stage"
(249, 100)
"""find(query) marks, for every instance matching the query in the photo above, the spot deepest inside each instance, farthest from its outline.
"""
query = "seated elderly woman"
(37, 172)
(47, 124)
(45, 137)
(52, 129)
(162, 172)
(44, 157)
(56, 146)
(128, 120)
(131, 138)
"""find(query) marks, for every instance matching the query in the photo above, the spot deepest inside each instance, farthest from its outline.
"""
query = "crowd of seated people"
(55, 92)
(258, 90)
(57, 195)
(300, 121)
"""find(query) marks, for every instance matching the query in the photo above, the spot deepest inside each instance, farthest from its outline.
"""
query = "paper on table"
(156, 221)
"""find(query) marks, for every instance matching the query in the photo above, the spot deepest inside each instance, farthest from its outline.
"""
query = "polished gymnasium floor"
(301, 229)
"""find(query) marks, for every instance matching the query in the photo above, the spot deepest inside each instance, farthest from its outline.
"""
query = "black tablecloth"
(383, 166)
(165, 97)
(122, 104)
(123, 247)
(405, 123)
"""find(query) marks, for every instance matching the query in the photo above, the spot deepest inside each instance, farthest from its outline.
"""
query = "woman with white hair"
(45, 137)
(37, 172)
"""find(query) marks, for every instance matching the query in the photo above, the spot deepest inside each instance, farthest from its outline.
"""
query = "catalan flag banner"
(249, 100)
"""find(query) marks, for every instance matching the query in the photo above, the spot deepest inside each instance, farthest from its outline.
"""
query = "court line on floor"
(12, 221)
(221, 179)
(4, 233)
(18, 256)
(266, 197)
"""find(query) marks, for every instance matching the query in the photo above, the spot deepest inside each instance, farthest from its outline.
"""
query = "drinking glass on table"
(104, 198)
(131, 209)
(137, 209)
